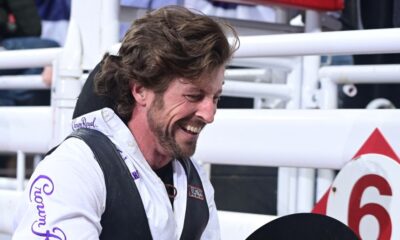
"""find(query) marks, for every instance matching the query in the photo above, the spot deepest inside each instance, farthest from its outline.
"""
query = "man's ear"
(139, 94)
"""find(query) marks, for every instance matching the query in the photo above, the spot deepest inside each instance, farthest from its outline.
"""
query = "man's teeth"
(193, 129)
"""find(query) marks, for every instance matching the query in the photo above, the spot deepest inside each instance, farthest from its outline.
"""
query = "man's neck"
(147, 143)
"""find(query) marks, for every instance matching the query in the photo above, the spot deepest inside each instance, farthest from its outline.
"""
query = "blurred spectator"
(55, 16)
(18, 18)
(20, 28)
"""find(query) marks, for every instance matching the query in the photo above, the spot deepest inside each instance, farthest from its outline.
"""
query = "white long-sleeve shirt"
(66, 194)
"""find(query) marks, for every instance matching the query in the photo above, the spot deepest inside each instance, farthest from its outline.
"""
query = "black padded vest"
(124, 217)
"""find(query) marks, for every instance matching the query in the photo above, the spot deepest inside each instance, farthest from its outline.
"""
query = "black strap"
(197, 213)
(124, 217)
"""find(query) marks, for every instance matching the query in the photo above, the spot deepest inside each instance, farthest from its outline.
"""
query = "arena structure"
(295, 125)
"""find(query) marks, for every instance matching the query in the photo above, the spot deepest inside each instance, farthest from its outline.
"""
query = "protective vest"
(124, 216)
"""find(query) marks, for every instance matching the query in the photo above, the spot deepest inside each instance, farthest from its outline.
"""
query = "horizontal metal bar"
(13, 59)
(252, 90)
(246, 74)
(321, 43)
(28, 129)
(317, 43)
(388, 73)
(9, 183)
(22, 82)
(237, 225)
(293, 138)
(282, 63)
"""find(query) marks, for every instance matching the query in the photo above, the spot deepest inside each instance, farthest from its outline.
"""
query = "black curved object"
(307, 226)
(88, 100)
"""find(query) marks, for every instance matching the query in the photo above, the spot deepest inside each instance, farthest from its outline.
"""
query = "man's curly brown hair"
(167, 43)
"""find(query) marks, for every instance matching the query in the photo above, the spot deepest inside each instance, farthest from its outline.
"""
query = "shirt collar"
(106, 121)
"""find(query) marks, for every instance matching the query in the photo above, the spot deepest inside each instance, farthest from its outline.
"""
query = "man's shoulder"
(72, 162)
(70, 147)
(72, 153)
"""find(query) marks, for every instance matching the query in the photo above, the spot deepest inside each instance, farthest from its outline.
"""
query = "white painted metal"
(22, 82)
(380, 103)
(325, 179)
(86, 18)
(109, 24)
(28, 129)
(286, 190)
(350, 90)
(21, 166)
(283, 63)
(259, 101)
(36, 160)
(98, 28)
(333, 75)
(294, 81)
(236, 225)
(311, 64)
(388, 73)
(323, 43)
(8, 205)
(28, 58)
(247, 89)
(113, 50)
(287, 177)
(305, 189)
(246, 74)
(292, 138)
(329, 94)
(10, 183)
(329, 100)
(66, 83)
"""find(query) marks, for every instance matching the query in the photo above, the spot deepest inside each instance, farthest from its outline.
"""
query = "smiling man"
(175, 118)
(125, 172)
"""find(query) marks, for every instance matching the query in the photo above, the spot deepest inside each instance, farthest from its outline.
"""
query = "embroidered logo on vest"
(195, 192)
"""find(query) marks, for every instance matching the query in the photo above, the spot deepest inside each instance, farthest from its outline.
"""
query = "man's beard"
(165, 138)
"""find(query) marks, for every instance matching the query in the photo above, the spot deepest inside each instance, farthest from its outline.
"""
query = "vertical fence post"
(21, 170)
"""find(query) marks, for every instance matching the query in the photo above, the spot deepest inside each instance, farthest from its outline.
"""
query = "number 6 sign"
(363, 194)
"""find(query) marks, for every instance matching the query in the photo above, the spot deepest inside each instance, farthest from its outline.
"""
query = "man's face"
(177, 116)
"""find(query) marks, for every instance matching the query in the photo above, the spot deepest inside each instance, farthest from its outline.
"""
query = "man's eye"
(194, 97)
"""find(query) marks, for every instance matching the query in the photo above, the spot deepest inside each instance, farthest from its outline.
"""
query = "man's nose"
(206, 110)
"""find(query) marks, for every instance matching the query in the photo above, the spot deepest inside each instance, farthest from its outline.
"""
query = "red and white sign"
(366, 193)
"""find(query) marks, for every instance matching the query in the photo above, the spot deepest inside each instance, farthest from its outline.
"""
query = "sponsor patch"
(42, 188)
(135, 174)
(83, 123)
(195, 192)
